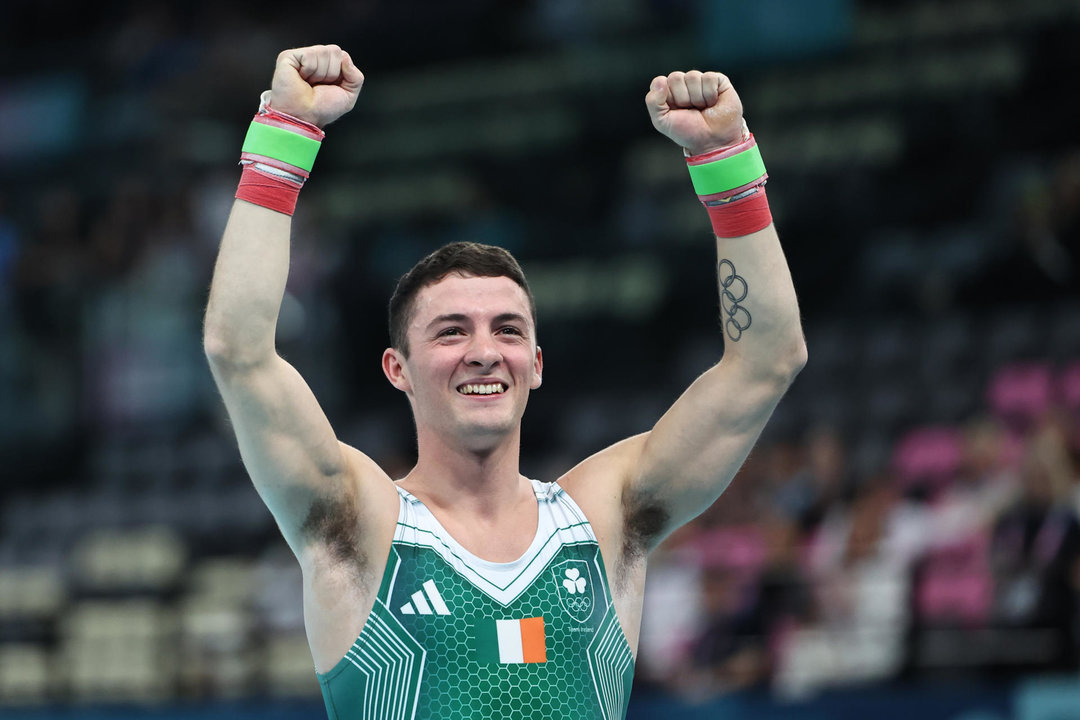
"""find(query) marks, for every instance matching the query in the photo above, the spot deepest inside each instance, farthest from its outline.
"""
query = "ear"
(538, 369)
(393, 366)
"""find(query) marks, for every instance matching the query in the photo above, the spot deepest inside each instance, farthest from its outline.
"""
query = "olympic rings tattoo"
(733, 290)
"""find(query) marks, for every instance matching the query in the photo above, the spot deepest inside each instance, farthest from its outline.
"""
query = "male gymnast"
(465, 589)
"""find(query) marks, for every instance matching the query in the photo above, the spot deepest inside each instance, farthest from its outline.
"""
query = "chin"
(489, 430)
(493, 429)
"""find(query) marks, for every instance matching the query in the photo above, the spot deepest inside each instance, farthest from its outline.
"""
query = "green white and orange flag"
(511, 641)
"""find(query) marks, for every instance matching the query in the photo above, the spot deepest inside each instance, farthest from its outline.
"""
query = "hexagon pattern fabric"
(455, 637)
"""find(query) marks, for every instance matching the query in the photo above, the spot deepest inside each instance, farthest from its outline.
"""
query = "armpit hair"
(334, 523)
(644, 519)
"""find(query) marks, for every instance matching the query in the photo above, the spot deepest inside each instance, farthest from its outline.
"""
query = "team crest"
(574, 580)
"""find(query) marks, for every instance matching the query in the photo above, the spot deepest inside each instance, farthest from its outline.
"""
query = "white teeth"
(486, 389)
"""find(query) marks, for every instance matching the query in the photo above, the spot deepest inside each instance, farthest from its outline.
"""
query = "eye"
(509, 330)
(450, 331)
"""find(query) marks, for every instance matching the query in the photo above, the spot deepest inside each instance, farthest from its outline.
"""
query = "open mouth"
(496, 388)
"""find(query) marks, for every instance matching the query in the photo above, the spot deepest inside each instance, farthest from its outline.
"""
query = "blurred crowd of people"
(807, 575)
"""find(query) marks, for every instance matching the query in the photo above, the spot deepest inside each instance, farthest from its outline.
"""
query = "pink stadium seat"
(1069, 386)
(1021, 392)
(928, 455)
(956, 585)
(739, 549)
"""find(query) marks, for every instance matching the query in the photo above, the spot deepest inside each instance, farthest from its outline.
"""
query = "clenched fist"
(318, 84)
(700, 111)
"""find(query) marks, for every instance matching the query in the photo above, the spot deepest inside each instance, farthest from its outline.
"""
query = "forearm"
(702, 113)
(311, 88)
(247, 286)
(759, 312)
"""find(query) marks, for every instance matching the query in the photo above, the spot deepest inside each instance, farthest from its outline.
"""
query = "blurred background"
(903, 541)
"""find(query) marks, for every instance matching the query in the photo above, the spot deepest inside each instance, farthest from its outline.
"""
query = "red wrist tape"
(269, 116)
(740, 217)
(269, 191)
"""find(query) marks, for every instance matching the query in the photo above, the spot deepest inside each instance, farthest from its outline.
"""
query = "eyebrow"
(453, 317)
(461, 318)
(511, 317)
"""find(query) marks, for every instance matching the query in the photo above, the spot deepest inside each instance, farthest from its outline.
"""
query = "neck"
(485, 478)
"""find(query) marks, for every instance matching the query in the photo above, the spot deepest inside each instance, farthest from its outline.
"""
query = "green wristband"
(284, 145)
(728, 173)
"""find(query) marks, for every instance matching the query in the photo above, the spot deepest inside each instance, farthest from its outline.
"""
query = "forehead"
(475, 297)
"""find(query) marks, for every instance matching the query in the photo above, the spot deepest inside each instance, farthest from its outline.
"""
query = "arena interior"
(905, 538)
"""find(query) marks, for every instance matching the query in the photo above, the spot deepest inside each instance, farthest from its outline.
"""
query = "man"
(465, 589)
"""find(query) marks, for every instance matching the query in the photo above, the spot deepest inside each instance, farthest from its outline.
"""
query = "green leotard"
(455, 637)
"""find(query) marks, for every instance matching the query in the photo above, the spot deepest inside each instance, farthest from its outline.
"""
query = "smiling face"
(472, 359)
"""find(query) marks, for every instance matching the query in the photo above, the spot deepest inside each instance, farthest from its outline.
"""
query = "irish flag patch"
(511, 641)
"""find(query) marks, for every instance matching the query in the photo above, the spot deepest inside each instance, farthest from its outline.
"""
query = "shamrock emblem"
(573, 582)
(573, 579)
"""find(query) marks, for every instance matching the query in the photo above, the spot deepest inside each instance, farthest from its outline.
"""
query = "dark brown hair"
(464, 258)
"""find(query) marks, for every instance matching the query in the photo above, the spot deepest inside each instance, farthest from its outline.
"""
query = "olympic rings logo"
(733, 290)
(579, 604)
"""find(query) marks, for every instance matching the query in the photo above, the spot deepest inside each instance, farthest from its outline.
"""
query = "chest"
(501, 541)
(551, 621)
(467, 637)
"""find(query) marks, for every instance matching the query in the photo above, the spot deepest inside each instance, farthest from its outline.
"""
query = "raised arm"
(648, 485)
(695, 449)
(287, 445)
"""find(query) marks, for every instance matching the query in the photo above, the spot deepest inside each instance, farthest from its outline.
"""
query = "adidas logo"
(419, 604)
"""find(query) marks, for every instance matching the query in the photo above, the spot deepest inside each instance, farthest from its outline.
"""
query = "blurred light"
(40, 116)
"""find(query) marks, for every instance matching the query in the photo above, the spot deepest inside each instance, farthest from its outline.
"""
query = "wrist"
(278, 154)
(718, 145)
(730, 183)
(266, 107)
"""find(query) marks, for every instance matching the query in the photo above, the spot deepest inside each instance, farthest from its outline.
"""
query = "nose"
(483, 351)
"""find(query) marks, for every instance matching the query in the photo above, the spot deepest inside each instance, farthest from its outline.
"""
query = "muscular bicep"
(638, 491)
(693, 452)
(289, 449)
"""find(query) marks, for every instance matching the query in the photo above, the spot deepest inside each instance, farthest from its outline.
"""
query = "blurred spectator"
(142, 330)
(823, 480)
(750, 611)
(952, 580)
(731, 653)
(674, 581)
(1036, 550)
(858, 568)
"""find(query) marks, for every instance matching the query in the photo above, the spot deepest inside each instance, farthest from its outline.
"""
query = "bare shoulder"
(596, 482)
(602, 485)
